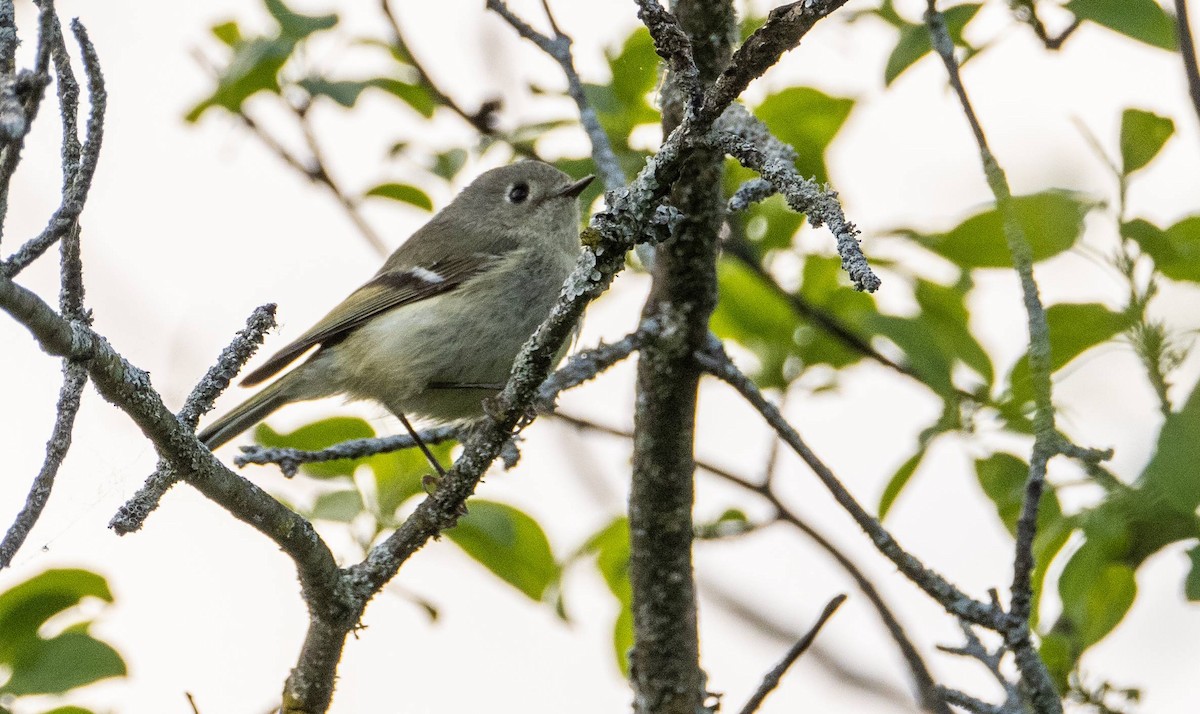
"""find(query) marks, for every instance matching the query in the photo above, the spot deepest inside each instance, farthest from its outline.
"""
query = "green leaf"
(752, 313)
(316, 436)
(634, 70)
(922, 354)
(611, 546)
(914, 42)
(228, 32)
(339, 506)
(944, 311)
(254, 68)
(509, 543)
(1055, 651)
(344, 92)
(448, 163)
(733, 522)
(414, 95)
(403, 193)
(1143, 135)
(622, 104)
(296, 26)
(1074, 329)
(399, 476)
(1052, 222)
(256, 61)
(25, 607)
(1142, 20)
(1096, 593)
(807, 120)
(1170, 481)
(1191, 586)
(54, 666)
(66, 710)
(1176, 250)
(898, 481)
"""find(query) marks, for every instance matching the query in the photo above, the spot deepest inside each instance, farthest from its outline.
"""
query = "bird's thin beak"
(573, 190)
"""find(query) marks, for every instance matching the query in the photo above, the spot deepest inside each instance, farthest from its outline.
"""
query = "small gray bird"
(438, 327)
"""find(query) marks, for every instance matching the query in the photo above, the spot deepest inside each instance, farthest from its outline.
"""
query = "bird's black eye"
(518, 192)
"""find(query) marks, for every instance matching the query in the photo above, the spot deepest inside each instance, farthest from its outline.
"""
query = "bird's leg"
(421, 443)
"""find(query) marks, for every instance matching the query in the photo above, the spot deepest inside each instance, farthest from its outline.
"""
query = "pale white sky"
(189, 227)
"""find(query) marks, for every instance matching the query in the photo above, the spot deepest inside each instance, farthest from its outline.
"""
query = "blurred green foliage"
(38, 659)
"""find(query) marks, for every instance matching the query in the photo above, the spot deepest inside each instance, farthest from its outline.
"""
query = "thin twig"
(63, 221)
(1047, 440)
(775, 675)
(290, 460)
(349, 205)
(559, 48)
(29, 88)
(484, 120)
(922, 678)
(74, 380)
(717, 363)
(584, 366)
(1187, 49)
(1026, 11)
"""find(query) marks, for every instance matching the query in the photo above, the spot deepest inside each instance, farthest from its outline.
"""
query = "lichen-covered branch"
(1048, 442)
(131, 516)
(745, 138)
(231, 360)
(290, 460)
(785, 27)
(74, 380)
(129, 388)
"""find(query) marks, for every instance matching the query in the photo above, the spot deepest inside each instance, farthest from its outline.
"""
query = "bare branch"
(559, 48)
(138, 508)
(349, 205)
(74, 380)
(975, 649)
(1047, 440)
(775, 675)
(923, 680)
(1026, 11)
(942, 591)
(125, 385)
(8, 38)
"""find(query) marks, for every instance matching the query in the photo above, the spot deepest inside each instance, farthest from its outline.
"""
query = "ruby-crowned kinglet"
(438, 327)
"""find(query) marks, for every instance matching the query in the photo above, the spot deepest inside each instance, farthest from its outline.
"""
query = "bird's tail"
(247, 414)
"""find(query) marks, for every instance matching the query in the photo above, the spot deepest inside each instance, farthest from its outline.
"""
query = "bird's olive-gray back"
(497, 212)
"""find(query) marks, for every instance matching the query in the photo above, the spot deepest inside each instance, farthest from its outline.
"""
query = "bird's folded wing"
(389, 289)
